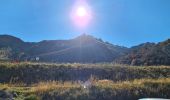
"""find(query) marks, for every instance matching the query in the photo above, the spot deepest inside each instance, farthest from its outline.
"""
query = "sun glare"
(81, 14)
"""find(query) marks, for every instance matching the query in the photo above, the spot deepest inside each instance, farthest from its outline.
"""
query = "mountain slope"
(148, 54)
(10, 41)
(10, 47)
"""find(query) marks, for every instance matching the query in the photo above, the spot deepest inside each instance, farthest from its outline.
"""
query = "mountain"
(12, 48)
(84, 49)
(10, 41)
(9, 46)
(148, 54)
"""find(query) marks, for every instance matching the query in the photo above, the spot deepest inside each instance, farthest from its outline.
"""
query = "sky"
(121, 22)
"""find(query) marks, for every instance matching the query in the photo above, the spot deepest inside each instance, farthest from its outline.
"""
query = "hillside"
(148, 54)
(12, 48)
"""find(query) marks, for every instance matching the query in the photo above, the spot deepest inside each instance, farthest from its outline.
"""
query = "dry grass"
(142, 83)
(135, 78)
(42, 87)
(73, 89)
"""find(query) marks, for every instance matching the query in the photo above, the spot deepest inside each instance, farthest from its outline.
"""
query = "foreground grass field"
(99, 90)
(42, 81)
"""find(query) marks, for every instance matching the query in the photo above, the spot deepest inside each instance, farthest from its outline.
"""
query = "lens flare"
(81, 14)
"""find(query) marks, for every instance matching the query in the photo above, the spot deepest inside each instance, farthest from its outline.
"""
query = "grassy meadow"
(47, 81)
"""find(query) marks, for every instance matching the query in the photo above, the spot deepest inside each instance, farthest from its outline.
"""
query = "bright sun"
(81, 11)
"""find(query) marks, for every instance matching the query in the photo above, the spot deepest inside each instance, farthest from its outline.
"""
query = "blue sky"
(121, 22)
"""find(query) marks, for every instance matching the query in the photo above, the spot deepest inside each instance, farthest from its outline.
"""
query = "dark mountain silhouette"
(84, 49)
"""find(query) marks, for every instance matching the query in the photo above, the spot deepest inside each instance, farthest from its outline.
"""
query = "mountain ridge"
(84, 49)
